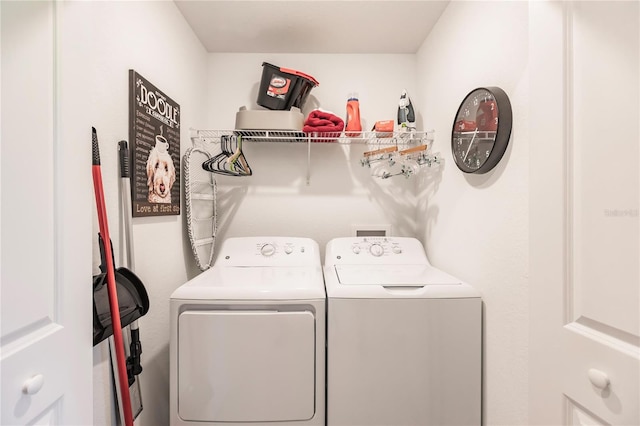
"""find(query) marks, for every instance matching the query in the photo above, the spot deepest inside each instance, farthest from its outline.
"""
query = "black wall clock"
(481, 130)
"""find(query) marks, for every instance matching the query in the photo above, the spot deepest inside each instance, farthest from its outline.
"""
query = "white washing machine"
(403, 338)
(247, 342)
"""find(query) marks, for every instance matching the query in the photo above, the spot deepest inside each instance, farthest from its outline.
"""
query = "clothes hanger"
(216, 163)
(386, 150)
(238, 162)
(232, 150)
(210, 164)
(230, 161)
(379, 154)
(237, 151)
(407, 170)
(418, 148)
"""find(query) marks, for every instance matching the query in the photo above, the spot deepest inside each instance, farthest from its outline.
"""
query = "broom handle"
(111, 282)
(125, 190)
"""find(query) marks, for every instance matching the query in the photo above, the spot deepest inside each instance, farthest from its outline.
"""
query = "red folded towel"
(324, 124)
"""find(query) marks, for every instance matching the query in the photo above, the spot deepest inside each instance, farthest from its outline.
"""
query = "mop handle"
(111, 282)
(125, 190)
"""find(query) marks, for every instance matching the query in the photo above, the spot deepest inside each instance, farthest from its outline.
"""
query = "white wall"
(476, 227)
(276, 200)
(100, 42)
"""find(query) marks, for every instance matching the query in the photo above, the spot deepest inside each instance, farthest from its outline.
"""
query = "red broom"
(111, 281)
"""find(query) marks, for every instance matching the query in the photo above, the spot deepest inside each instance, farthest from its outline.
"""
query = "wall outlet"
(371, 230)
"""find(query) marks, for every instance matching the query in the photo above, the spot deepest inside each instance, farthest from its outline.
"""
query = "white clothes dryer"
(247, 344)
(403, 338)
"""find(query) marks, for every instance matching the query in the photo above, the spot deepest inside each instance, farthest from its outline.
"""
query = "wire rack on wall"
(381, 145)
(386, 138)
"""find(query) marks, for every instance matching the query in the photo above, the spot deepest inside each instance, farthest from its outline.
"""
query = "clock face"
(481, 130)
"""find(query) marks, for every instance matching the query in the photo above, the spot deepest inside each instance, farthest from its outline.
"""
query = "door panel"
(605, 181)
(25, 363)
(45, 313)
(587, 349)
(602, 330)
(27, 73)
(578, 416)
(585, 282)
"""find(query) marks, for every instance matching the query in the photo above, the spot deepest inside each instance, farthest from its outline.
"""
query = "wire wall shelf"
(409, 149)
(388, 138)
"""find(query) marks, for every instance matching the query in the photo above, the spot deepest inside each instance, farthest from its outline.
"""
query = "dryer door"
(246, 366)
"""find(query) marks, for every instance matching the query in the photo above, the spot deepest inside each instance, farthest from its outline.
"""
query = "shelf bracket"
(308, 160)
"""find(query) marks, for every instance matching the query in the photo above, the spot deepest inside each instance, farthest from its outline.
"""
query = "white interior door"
(585, 187)
(45, 262)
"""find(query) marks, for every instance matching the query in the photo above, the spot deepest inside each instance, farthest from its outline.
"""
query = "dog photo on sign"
(161, 173)
(154, 132)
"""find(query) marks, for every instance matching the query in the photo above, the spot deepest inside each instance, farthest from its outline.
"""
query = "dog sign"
(154, 135)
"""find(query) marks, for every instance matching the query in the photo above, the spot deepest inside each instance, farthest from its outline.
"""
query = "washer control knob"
(288, 250)
(376, 249)
(397, 249)
(267, 250)
(356, 249)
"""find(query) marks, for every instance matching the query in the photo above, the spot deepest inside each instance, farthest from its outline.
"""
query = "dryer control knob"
(288, 250)
(356, 249)
(376, 249)
(397, 249)
(267, 250)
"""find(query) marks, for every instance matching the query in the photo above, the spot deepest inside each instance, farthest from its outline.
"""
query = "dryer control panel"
(375, 250)
(269, 251)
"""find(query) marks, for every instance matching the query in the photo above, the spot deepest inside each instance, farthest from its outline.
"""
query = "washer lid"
(393, 275)
(254, 283)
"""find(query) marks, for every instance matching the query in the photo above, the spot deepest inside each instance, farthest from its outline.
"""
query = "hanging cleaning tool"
(134, 366)
(353, 127)
(406, 114)
(111, 282)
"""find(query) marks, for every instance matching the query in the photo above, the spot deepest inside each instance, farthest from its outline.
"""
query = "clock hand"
(470, 143)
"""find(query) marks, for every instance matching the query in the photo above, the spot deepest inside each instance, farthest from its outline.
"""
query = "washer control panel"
(269, 251)
(376, 246)
(375, 250)
(281, 248)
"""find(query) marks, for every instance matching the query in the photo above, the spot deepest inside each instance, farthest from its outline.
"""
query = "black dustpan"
(133, 301)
